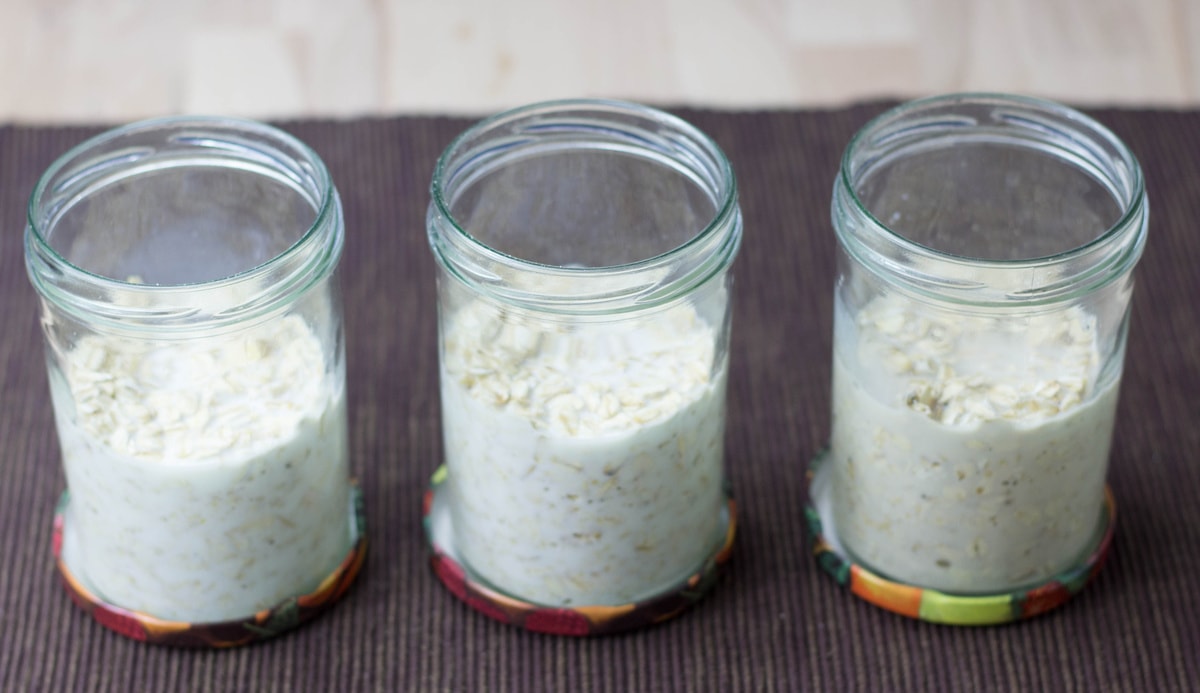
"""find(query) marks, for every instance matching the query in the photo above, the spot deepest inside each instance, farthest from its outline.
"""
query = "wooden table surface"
(114, 60)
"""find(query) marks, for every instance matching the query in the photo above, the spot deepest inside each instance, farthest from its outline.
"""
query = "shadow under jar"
(584, 305)
(193, 325)
(981, 310)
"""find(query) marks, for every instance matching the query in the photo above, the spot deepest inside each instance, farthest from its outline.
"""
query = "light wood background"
(115, 60)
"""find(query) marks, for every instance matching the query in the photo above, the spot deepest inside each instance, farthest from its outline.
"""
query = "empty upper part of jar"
(991, 199)
(586, 205)
(182, 221)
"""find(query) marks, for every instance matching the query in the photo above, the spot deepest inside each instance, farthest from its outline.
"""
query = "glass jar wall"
(584, 293)
(981, 308)
(193, 327)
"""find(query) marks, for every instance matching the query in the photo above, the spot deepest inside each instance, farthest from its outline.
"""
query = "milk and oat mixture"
(208, 480)
(585, 465)
(969, 455)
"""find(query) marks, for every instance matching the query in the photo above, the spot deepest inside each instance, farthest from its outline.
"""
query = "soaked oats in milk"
(585, 465)
(208, 479)
(969, 454)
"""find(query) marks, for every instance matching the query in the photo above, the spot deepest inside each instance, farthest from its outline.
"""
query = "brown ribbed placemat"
(775, 623)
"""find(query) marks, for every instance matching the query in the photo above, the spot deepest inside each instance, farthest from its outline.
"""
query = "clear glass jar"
(193, 325)
(584, 290)
(981, 309)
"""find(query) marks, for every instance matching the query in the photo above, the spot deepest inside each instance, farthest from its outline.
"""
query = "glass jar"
(980, 316)
(584, 290)
(193, 327)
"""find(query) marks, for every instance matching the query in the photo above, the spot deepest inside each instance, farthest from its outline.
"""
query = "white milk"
(585, 467)
(968, 455)
(208, 481)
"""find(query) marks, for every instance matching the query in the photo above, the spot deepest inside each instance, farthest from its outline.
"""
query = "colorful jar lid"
(940, 607)
(577, 620)
(267, 623)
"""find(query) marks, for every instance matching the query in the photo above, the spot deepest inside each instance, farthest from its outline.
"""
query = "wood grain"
(108, 60)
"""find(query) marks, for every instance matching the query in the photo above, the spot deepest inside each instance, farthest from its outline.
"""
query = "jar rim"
(1129, 192)
(271, 148)
(725, 217)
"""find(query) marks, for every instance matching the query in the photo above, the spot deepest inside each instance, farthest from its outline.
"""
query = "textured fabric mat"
(775, 623)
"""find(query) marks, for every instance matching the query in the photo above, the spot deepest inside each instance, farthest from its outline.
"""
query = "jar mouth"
(183, 144)
(571, 126)
(1044, 128)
